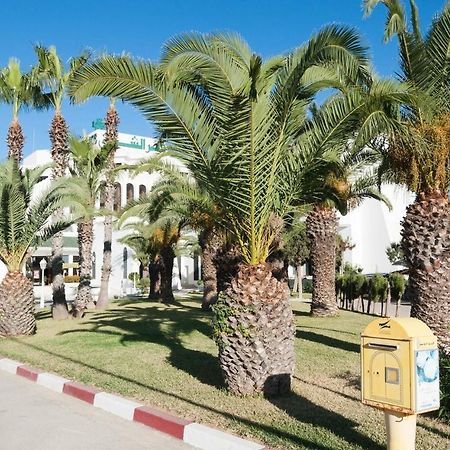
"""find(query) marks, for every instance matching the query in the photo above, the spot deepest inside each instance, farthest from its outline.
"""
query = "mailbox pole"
(400, 430)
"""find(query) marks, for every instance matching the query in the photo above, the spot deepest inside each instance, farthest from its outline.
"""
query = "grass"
(163, 355)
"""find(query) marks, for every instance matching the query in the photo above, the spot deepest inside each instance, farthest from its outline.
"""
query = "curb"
(194, 434)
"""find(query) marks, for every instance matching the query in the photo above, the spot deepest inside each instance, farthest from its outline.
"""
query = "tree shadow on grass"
(276, 433)
(328, 341)
(163, 326)
(304, 410)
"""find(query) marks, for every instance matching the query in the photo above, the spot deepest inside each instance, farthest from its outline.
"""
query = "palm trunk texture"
(426, 244)
(321, 226)
(16, 305)
(210, 245)
(167, 257)
(15, 141)
(111, 135)
(154, 274)
(58, 138)
(84, 296)
(227, 261)
(254, 328)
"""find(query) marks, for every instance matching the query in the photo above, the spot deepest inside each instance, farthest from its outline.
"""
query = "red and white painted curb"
(195, 434)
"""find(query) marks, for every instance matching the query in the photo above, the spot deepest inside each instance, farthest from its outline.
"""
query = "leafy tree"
(395, 253)
(296, 250)
(81, 191)
(397, 285)
(341, 246)
(233, 119)
(415, 150)
(53, 78)
(378, 290)
(24, 224)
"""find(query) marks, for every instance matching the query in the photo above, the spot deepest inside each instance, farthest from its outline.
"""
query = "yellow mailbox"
(399, 366)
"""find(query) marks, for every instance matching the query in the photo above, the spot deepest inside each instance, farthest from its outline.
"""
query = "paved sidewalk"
(33, 417)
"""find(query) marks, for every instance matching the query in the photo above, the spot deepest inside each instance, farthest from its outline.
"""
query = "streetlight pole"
(43, 266)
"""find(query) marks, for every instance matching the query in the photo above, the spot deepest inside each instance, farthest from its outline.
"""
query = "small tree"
(397, 284)
(378, 290)
(395, 253)
(296, 250)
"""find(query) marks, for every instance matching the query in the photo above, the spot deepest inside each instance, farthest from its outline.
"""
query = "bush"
(444, 380)
(72, 279)
(132, 275)
(397, 283)
(378, 288)
(144, 283)
(307, 286)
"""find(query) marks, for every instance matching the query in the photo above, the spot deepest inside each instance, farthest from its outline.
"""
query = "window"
(142, 191)
(130, 192)
(117, 196)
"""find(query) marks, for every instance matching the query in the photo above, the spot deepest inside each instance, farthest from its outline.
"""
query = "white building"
(132, 149)
(371, 227)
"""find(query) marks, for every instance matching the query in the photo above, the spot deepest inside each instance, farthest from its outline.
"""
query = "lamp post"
(43, 266)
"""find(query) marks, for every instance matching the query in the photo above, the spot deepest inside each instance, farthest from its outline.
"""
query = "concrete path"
(33, 417)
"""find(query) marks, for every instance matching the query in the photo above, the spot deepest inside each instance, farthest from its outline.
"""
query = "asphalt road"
(35, 418)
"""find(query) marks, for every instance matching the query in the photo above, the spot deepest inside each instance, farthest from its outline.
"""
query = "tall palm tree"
(416, 153)
(111, 137)
(87, 167)
(24, 223)
(19, 90)
(232, 119)
(54, 76)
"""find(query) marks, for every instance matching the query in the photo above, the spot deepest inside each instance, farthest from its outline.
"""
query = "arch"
(142, 191)
(117, 196)
(130, 192)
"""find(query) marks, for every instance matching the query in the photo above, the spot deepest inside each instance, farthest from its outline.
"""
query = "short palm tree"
(24, 223)
(53, 78)
(232, 119)
(19, 90)
(415, 150)
(81, 192)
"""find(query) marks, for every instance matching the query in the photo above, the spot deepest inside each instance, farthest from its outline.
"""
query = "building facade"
(371, 227)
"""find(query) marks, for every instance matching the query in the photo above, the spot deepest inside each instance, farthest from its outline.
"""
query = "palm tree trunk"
(227, 262)
(426, 244)
(299, 281)
(210, 244)
(15, 141)
(154, 272)
(16, 305)
(167, 257)
(58, 137)
(254, 329)
(111, 136)
(321, 226)
(85, 239)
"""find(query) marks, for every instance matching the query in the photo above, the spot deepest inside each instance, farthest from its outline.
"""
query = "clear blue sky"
(141, 27)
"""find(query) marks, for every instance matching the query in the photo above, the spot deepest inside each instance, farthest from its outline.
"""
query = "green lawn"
(163, 355)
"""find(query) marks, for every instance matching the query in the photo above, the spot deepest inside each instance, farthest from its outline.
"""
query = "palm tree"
(17, 89)
(178, 195)
(232, 119)
(24, 223)
(81, 191)
(111, 136)
(54, 76)
(415, 153)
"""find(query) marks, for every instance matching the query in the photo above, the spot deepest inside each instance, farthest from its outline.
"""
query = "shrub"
(132, 275)
(444, 380)
(397, 283)
(72, 279)
(307, 286)
(144, 283)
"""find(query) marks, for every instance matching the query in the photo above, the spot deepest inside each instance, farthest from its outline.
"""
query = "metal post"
(43, 266)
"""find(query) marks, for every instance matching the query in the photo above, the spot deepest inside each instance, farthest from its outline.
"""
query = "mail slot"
(399, 366)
